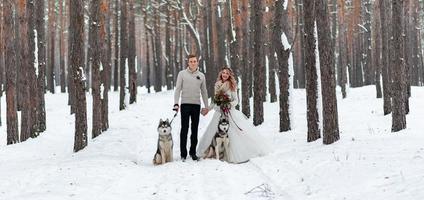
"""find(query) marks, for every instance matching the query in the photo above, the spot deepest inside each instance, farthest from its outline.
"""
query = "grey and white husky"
(220, 142)
(165, 143)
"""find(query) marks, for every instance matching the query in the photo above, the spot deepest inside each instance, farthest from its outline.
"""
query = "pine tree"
(328, 79)
(311, 72)
(76, 56)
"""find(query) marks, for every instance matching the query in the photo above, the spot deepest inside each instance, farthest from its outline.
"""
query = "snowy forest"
(333, 85)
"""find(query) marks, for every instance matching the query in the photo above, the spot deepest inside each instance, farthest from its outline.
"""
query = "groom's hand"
(176, 107)
(204, 111)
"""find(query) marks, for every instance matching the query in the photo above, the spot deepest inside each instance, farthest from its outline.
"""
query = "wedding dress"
(245, 142)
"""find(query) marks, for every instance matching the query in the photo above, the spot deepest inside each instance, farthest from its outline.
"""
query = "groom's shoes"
(183, 158)
(194, 157)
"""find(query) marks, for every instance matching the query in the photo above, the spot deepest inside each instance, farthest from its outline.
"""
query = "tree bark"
(328, 79)
(95, 49)
(123, 55)
(259, 70)
(24, 66)
(52, 34)
(376, 43)
(158, 51)
(283, 54)
(62, 46)
(311, 72)
(11, 106)
(132, 74)
(76, 58)
(387, 107)
(116, 60)
(42, 61)
(398, 115)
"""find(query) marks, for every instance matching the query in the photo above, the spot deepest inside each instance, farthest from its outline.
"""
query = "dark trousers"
(189, 111)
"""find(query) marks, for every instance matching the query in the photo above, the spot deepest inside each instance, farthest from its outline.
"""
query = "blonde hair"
(232, 81)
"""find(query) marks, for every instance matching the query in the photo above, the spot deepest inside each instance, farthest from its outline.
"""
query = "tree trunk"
(245, 84)
(259, 70)
(328, 79)
(311, 72)
(52, 34)
(283, 54)
(168, 72)
(158, 52)
(385, 58)
(76, 58)
(62, 46)
(132, 74)
(2, 85)
(123, 55)
(376, 56)
(95, 49)
(11, 116)
(32, 83)
(270, 49)
(398, 115)
(342, 66)
(42, 60)
(116, 60)
(106, 60)
(24, 62)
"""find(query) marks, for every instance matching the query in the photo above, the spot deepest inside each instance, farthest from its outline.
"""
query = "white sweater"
(190, 85)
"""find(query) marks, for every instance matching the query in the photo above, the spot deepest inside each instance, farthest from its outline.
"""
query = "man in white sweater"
(191, 86)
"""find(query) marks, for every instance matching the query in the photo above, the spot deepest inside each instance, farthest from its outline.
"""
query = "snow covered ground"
(369, 162)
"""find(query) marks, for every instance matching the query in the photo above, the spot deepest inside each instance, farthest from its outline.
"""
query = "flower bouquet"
(223, 101)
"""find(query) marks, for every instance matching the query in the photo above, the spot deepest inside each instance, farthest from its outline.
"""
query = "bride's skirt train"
(244, 144)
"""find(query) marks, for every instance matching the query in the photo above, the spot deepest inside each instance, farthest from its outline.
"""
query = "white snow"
(369, 162)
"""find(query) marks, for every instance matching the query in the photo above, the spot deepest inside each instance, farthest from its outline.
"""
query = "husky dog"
(219, 145)
(164, 152)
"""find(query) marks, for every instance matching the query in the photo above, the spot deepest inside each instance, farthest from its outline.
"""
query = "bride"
(245, 142)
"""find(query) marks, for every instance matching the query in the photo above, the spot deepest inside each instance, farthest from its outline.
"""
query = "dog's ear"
(167, 120)
(160, 121)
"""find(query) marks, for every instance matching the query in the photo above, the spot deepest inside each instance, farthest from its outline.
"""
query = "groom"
(190, 85)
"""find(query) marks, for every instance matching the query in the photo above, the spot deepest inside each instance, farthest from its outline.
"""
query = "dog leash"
(229, 114)
(175, 115)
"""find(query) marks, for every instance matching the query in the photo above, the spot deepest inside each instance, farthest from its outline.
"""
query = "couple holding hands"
(244, 143)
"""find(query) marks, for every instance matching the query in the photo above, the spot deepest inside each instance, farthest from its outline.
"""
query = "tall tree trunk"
(376, 43)
(158, 52)
(32, 83)
(283, 54)
(245, 84)
(11, 116)
(398, 116)
(95, 49)
(311, 72)
(148, 57)
(328, 79)
(106, 60)
(385, 58)
(62, 46)
(1, 57)
(42, 61)
(168, 72)
(132, 74)
(76, 58)
(301, 52)
(369, 71)
(24, 65)
(52, 34)
(270, 49)
(116, 60)
(342, 66)
(259, 70)
(123, 55)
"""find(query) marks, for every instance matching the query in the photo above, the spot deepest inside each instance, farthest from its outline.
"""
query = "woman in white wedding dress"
(245, 142)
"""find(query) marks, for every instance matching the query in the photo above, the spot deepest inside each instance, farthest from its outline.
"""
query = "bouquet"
(223, 101)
